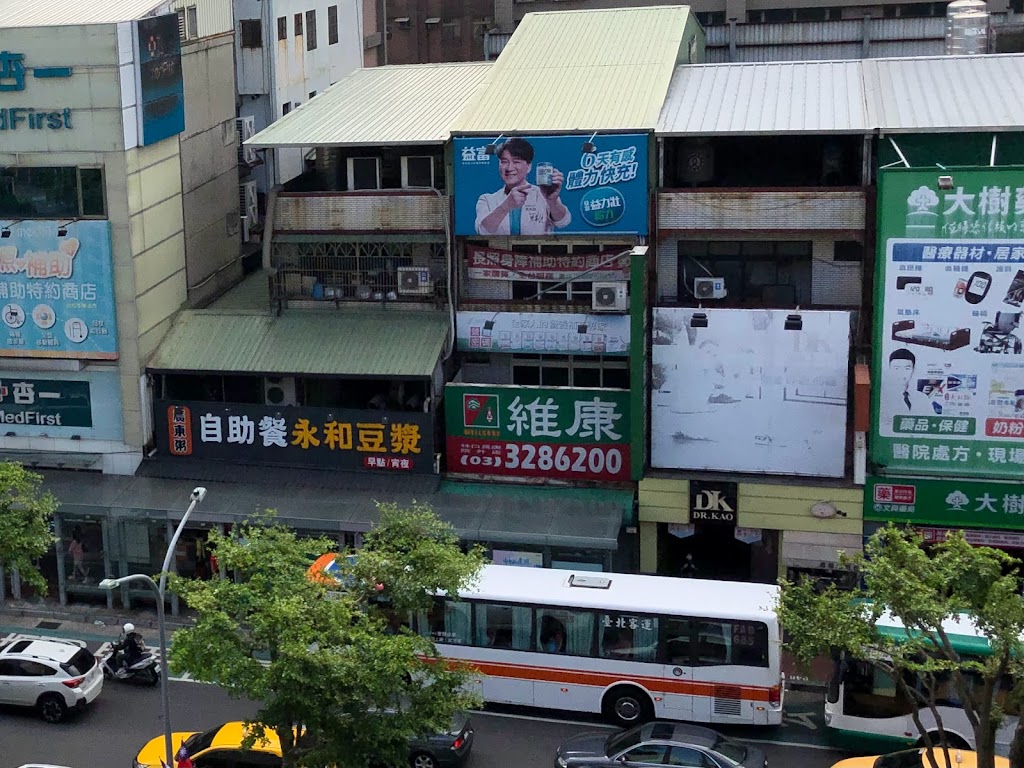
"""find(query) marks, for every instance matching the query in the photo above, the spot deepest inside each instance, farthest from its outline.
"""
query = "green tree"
(922, 590)
(323, 659)
(26, 514)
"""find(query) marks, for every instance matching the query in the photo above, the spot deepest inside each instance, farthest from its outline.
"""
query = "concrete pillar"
(648, 547)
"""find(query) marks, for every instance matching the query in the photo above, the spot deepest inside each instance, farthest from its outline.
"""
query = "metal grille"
(360, 212)
(728, 700)
(344, 271)
(752, 209)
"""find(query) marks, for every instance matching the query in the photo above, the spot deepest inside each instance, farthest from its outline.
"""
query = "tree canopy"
(26, 514)
(924, 591)
(324, 660)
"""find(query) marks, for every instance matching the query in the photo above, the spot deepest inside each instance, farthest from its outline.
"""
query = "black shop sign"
(713, 503)
(391, 441)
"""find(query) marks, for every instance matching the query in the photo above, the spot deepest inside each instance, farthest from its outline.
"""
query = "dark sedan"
(689, 746)
(443, 750)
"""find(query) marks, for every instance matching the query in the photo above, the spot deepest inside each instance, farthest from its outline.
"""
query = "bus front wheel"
(954, 741)
(627, 706)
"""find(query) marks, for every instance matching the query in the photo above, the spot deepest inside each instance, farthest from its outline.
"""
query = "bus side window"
(872, 692)
(565, 631)
(675, 641)
(627, 638)
(503, 626)
(447, 621)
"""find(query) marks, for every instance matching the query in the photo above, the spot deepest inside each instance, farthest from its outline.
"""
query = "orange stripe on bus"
(603, 679)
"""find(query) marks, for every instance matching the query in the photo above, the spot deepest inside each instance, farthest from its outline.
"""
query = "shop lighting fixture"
(945, 182)
(699, 320)
(488, 325)
(492, 148)
(62, 229)
(588, 145)
(794, 323)
(581, 328)
(5, 232)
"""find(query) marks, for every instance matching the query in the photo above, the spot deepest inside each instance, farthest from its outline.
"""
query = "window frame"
(282, 28)
(79, 195)
(332, 25)
(248, 39)
(570, 363)
(297, 24)
(350, 172)
(311, 30)
(405, 170)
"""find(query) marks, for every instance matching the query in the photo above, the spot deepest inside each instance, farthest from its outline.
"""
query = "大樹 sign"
(13, 74)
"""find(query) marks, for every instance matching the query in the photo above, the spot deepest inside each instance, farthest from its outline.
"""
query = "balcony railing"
(386, 211)
(402, 285)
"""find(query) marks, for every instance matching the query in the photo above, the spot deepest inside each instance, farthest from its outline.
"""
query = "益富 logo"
(480, 411)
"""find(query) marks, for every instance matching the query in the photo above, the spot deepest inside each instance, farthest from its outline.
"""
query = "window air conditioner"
(709, 288)
(414, 281)
(610, 297)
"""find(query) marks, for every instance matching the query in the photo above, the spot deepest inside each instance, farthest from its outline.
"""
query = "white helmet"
(129, 628)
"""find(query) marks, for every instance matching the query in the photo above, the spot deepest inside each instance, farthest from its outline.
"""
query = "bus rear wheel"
(954, 741)
(627, 706)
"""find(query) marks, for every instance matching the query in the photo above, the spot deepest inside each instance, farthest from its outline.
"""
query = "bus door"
(677, 668)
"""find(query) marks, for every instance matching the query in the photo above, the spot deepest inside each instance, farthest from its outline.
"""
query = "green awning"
(368, 343)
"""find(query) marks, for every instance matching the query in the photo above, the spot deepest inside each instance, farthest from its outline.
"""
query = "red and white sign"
(998, 539)
(496, 264)
(895, 494)
(559, 461)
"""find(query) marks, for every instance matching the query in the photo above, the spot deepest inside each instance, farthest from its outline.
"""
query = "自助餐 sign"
(563, 434)
(296, 436)
(948, 341)
(954, 503)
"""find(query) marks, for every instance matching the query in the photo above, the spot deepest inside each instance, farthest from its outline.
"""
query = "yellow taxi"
(916, 758)
(220, 746)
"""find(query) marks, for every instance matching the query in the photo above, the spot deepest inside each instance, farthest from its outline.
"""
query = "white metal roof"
(57, 13)
(899, 95)
(945, 93)
(778, 97)
(628, 592)
(397, 104)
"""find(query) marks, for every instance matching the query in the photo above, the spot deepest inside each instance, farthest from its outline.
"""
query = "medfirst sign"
(715, 503)
(296, 436)
(45, 403)
(12, 79)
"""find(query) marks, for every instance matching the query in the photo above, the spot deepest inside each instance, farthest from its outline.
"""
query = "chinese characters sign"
(535, 332)
(13, 73)
(559, 434)
(85, 404)
(948, 350)
(494, 264)
(57, 291)
(297, 436)
(956, 503)
(546, 185)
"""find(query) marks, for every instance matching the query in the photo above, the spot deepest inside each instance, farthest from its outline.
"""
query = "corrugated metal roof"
(946, 93)
(792, 97)
(400, 104)
(57, 13)
(580, 70)
(359, 343)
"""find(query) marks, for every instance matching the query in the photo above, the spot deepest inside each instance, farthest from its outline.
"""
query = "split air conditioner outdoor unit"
(246, 129)
(279, 390)
(709, 288)
(610, 297)
(414, 281)
(248, 206)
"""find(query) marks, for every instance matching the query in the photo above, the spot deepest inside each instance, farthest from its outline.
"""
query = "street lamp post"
(160, 590)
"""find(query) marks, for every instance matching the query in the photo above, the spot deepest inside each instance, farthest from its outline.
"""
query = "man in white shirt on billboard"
(899, 391)
(519, 207)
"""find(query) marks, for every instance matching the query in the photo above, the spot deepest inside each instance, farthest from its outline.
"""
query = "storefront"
(745, 531)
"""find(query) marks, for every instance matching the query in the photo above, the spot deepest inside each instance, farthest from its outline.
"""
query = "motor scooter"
(145, 670)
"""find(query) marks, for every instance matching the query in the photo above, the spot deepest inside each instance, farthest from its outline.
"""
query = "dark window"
(80, 663)
(35, 669)
(711, 18)
(688, 757)
(503, 626)
(447, 622)
(722, 642)
(676, 634)
(282, 27)
(759, 273)
(221, 758)
(251, 33)
(298, 24)
(311, 30)
(872, 692)
(647, 753)
(849, 250)
(312, 94)
(9, 668)
(197, 742)
(811, 14)
(51, 193)
(563, 630)
(365, 173)
(286, 108)
(625, 637)
(332, 24)
(419, 171)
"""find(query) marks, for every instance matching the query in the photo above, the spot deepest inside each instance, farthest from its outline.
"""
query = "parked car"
(658, 743)
(916, 758)
(54, 676)
(223, 746)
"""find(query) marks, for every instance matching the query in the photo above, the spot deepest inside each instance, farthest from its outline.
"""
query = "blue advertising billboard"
(161, 84)
(57, 290)
(551, 185)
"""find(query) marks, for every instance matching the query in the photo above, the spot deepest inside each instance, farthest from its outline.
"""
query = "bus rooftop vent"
(590, 582)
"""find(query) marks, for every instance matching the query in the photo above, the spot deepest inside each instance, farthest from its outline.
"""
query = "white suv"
(54, 676)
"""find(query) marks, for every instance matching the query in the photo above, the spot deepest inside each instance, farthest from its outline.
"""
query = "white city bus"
(865, 707)
(629, 646)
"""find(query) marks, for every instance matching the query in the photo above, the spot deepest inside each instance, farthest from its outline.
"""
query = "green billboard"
(949, 288)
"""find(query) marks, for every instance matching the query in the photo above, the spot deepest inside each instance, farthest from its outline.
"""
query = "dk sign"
(713, 503)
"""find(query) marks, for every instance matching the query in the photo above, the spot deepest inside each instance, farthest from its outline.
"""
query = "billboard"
(57, 291)
(556, 433)
(547, 332)
(161, 84)
(392, 441)
(760, 391)
(551, 185)
(948, 344)
(940, 501)
(86, 404)
(496, 264)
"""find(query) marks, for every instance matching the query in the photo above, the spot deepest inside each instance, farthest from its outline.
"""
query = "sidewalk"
(94, 623)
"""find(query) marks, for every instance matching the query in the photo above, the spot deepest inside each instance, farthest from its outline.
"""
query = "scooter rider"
(131, 649)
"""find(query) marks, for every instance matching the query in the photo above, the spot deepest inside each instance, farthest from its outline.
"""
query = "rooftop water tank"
(967, 27)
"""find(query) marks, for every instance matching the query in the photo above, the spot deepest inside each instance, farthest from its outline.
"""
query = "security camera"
(198, 494)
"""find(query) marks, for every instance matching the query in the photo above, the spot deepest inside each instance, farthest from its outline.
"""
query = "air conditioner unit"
(709, 288)
(279, 390)
(415, 281)
(246, 129)
(610, 297)
(248, 207)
